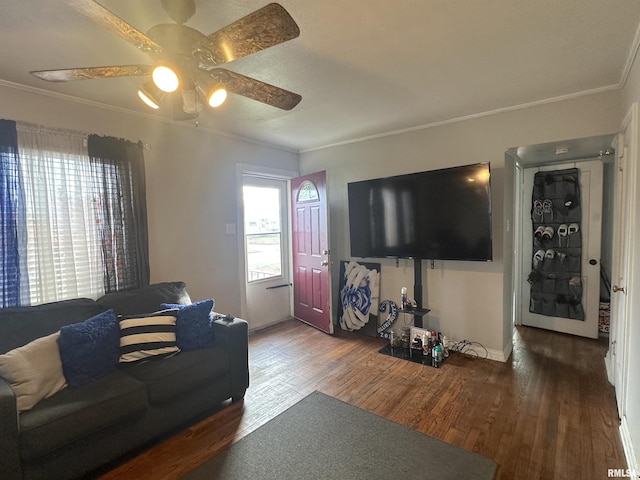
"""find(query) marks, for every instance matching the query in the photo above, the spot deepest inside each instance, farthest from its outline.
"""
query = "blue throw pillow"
(90, 349)
(193, 326)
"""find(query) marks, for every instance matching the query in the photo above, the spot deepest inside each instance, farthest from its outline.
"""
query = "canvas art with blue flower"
(359, 296)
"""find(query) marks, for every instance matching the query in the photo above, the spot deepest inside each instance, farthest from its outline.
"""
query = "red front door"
(310, 239)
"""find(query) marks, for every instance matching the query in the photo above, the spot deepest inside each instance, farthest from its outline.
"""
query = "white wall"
(631, 94)
(191, 194)
(466, 298)
(191, 190)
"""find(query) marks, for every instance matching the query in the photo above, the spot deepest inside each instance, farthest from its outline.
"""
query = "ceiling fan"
(186, 62)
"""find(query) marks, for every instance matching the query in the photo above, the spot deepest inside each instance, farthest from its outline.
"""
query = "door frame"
(590, 299)
(517, 159)
(618, 352)
(513, 237)
(243, 169)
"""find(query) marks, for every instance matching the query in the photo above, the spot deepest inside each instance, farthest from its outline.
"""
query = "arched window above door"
(308, 192)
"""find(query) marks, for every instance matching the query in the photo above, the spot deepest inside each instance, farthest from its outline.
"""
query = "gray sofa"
(81, 428)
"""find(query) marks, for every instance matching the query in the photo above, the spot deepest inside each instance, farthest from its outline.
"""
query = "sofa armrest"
(234, 336)
(9, 447)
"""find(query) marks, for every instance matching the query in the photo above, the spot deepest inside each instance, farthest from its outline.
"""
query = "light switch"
(231, 228)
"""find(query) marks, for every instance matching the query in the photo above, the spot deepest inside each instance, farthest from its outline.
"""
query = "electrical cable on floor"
(470, 349)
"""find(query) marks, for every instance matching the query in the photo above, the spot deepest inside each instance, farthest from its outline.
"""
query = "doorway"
(521, 161)
(265, 243)
(562, 271)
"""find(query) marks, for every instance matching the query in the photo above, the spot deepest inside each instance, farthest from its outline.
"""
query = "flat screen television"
(438, 215)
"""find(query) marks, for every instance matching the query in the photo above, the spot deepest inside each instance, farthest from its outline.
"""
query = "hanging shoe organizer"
(555, 278)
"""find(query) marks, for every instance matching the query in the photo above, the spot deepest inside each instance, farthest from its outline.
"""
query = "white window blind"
(63, 249)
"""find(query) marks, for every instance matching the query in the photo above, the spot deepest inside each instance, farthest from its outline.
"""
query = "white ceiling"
(363, 67)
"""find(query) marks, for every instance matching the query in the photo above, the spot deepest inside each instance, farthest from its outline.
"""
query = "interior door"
(591, 225)
(622, 228)
(310, 245)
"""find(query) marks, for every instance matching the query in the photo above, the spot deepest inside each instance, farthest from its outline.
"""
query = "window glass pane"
(261, 209)
(263, 256)
(262, 226)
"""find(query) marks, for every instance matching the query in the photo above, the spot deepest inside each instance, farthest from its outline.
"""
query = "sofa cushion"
(90, 349)
(145, 299)
(148, 335)
(77, 412)
(34, 371)
(193, 326)
(21, 325)
(181, 373)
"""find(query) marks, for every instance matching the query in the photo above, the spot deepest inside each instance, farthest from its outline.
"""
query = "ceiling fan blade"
(255, 89)
(111, 21)
(65, 75)
(264, 28)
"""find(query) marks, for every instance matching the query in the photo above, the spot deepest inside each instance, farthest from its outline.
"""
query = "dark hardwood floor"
(547, 413)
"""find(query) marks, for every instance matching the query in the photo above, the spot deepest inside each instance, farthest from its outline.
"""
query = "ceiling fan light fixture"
(165, 78)
(147, 100)
(213, 92)
(187, 61)
(151, 95)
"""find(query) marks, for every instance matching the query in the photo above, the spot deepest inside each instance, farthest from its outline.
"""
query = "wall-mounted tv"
(438, 215)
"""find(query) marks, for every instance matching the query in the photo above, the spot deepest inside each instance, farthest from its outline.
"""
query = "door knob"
(324, 263)
(616, 289)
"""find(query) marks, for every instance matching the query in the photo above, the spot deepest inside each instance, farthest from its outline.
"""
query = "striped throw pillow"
(149, 335)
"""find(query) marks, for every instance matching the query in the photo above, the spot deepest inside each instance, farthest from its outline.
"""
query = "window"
(63, 250)
(78, 215)
(263, 232)
(308, 192)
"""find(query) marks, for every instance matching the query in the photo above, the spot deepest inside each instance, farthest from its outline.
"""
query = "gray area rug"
(326, 439)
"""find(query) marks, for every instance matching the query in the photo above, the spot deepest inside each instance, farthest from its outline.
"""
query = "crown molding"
(631, 58)
(473, 116)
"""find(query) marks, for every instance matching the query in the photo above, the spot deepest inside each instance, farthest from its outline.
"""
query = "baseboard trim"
(478, 350)
(608, 366)
(267, 325)
(500, 356)
(629, 451)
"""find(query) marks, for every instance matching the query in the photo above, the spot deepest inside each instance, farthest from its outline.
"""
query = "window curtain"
(122, 225)
(14, 286)
(61, 192)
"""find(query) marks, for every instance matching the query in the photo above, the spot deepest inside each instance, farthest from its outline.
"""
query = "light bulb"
(165, 78)
(217, 97)
(147, 100)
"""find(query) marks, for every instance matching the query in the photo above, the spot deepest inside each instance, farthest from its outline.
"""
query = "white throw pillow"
(34, 371)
